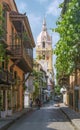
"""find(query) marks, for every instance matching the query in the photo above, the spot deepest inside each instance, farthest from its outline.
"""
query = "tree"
(68, 26)
(57, 89)
(1, 21)
(2, 46)
(36, 82)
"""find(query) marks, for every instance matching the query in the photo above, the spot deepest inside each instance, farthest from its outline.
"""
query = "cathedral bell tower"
(44, 49)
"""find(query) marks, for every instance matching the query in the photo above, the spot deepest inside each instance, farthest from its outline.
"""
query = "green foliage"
(26, 37)
(2, 52)
(1, 22)
(2, 33)
(67, 48)
(36, 92)
(37, 75)
(36, 83)
(61, 5)
(24, 87)
(2, 48)
(57, 89)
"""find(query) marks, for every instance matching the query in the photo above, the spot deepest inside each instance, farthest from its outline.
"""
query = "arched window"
(43, 44)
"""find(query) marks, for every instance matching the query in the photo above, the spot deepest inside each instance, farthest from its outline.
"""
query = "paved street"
(47, 118)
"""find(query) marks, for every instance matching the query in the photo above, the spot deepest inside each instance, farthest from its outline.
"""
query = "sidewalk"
(6, 122)
(73, 116)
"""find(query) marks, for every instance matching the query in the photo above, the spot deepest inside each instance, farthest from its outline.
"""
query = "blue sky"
(36, 10)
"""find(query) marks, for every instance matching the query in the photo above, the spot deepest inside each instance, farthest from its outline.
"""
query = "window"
(11, 69)
(15, 74)
(3, 65)
(43, 44)
(43, 57)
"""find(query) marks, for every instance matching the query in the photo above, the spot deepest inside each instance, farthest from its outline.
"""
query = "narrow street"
(47, 118)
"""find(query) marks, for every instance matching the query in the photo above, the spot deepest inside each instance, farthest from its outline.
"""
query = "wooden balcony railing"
(21, 51)
(24, 54)
(10, 78)
(16, 51)
(27, 54)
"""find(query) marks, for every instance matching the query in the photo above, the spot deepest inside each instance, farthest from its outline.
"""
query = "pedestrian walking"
(38, 103)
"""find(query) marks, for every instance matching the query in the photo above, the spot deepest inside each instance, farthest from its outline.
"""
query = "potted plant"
(2, 109)
(9, 111)
(3, 112)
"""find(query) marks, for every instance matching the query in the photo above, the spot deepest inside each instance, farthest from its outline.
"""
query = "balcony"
(22, 43)
(6, 77)
(10, 78)
(23, 55)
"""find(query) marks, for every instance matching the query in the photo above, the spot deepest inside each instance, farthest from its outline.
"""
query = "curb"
(66, 114)
(7, 125)
(76, 128)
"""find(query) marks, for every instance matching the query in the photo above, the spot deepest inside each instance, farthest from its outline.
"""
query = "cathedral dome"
(43, 36)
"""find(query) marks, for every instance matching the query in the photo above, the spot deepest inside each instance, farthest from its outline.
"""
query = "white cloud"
(53, 8)
(35, 21)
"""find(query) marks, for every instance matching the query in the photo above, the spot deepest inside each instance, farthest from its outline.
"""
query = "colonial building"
(17, 41)
(44, 54)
